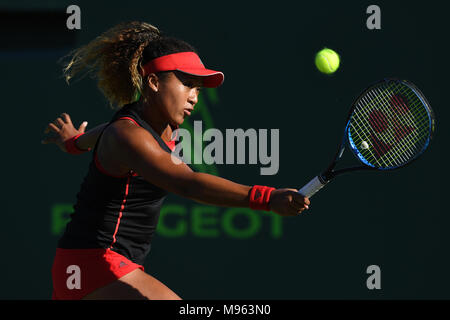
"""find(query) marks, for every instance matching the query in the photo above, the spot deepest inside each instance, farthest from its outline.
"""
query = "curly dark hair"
(116, 56)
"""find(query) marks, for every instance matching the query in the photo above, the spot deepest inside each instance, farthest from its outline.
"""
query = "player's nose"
(193, 96)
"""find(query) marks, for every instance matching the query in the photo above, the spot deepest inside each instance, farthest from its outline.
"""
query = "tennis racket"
(389, 126)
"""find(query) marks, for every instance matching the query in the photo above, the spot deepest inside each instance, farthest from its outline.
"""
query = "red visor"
(187, 62)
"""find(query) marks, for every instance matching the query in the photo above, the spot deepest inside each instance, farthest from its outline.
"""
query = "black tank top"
(119, 213)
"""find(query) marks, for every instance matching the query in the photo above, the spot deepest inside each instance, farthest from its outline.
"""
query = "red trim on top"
(134, 174)
(170, 144)
(128, 118)
(102, 170)
(122, 207)
(100, 167)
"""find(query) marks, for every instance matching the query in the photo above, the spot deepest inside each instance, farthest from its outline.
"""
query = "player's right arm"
(133, 148)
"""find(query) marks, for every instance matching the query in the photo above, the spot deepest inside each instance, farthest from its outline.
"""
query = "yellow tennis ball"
(327, 61)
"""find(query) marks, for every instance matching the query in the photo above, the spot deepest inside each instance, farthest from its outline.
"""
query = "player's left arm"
(64, 130)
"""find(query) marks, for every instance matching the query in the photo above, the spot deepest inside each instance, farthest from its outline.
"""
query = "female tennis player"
(155, 80)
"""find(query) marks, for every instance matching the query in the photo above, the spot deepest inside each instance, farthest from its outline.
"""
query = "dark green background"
(266, 50)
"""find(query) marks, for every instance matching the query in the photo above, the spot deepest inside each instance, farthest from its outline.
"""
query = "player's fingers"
(302, 204)
(59, 123)
(83, 126)
(300, 200)
(298, 209)
(53, 127)
(66, 118)
(295, 210)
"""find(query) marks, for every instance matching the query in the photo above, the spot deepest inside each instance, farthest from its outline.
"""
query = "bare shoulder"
(121, 140)
(125, 133)
(129, 141)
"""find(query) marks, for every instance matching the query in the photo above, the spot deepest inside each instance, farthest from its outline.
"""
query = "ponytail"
(114, 58)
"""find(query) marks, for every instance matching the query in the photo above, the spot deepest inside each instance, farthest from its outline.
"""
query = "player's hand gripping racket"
(389, 125)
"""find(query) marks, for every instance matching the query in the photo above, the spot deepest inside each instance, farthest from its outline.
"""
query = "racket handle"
(312, 187)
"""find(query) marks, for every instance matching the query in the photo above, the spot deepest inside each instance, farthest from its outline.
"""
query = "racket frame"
(329, 173)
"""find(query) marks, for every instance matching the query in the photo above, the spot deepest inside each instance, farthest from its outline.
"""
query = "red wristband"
(260, 197)
(71, 147)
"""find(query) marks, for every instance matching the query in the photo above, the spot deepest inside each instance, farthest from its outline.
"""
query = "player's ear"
(153, 82)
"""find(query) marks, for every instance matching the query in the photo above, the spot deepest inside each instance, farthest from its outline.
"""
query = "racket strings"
(380, 147)
(421, 115)
(398, 155)
(393, 121)
(421, 119)
(360, 127)
(403, 132)
(396, 127)
(418, 116)
(390, 132)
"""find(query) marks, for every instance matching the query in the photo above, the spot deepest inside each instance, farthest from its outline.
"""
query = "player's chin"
(178, 120)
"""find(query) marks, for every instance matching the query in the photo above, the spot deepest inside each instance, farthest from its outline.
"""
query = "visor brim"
(211, 78)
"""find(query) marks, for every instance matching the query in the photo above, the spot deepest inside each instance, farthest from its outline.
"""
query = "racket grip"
(312, 187)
